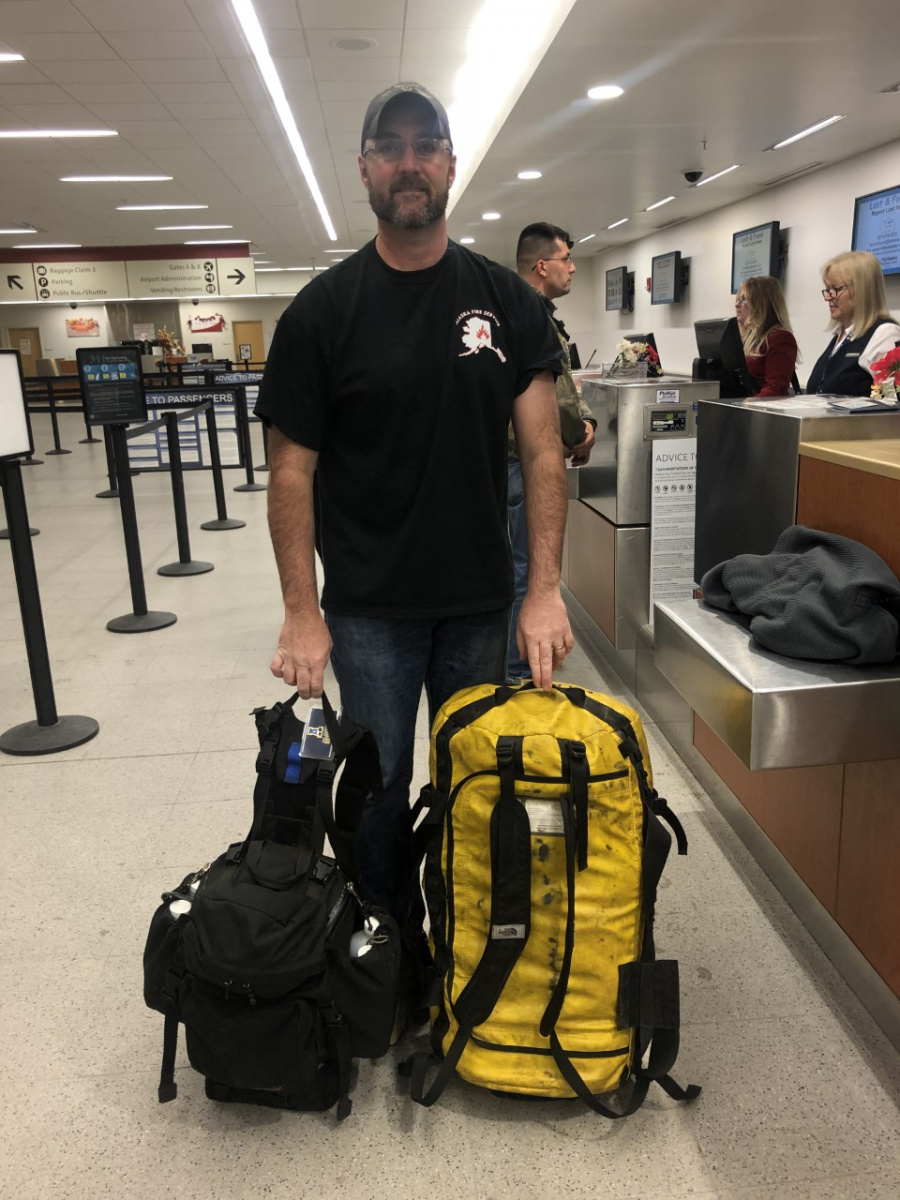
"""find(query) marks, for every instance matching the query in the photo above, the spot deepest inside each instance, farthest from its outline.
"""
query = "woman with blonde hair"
(769, 346)
(864, 329)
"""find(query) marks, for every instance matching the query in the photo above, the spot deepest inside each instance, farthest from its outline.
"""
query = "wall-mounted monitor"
(876, 227)
(755, 251)
(666, 278)
(616, 289)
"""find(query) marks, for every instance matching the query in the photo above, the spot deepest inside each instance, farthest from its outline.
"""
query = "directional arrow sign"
(17, 281)
(236, 276)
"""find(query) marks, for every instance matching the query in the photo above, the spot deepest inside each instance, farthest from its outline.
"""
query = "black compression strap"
(554, 1008)
(168, 1088)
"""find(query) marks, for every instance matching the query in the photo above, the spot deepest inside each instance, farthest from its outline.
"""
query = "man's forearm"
(292, 523)
(546, 508)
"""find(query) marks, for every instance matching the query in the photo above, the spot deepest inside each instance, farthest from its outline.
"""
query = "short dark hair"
(537, 241)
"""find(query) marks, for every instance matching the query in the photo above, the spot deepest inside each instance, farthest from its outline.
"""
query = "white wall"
(55, 343)
(816, 213)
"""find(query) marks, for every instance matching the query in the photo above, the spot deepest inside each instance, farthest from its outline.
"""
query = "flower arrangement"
(630, 354)
(886, 376)
(169, 342)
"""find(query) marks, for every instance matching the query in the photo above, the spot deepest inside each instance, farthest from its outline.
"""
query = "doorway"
(28, 344)
(249, 333)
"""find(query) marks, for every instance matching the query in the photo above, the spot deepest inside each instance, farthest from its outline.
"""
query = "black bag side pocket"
(251, 1044)
(366, 987)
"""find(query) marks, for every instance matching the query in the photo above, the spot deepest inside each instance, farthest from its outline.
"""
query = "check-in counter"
(811, 751)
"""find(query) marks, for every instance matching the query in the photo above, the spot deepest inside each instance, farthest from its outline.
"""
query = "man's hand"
(582, 452)
(544, 636)
(303, 650)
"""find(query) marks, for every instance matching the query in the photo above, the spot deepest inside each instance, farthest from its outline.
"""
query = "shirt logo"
(476, 333)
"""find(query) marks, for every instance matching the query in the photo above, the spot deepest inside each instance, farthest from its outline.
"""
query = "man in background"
(543, 260)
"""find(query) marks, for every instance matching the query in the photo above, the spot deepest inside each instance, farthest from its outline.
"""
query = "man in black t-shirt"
(391, 379)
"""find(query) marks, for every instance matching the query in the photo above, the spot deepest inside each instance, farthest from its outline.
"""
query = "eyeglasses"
(741, 300)
(393, 149)
(832, 293)
(565, 260)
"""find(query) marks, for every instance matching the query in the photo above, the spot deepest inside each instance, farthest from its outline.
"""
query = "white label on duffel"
(545, 816)
(507, 933)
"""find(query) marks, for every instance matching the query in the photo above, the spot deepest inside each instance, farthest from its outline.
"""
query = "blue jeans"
(516, 666)
(381, 666)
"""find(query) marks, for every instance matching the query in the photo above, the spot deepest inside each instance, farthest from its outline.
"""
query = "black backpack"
(278, 970)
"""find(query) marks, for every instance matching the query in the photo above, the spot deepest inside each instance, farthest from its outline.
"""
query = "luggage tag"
(316, 742)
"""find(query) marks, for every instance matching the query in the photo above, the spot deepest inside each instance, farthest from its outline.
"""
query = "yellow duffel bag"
(540, 881)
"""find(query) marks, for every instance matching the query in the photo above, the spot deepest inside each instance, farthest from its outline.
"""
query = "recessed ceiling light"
(658, 204)
(586, 239)
(263, 262)
(529, 175)
(11, 58)
(607, 91)
(57, 133)
(50, 246)
(18, 230)
(220, 242)
(490, 216)
(616, 224)
(173, 228)
(157, 207)
(466, 241)
(718, 175)
(355, 45)
(337, 251)
(115, 179)
(806, 132)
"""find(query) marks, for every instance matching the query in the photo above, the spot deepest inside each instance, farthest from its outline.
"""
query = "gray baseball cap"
(383, 99)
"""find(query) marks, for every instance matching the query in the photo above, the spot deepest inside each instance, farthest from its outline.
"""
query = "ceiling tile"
(67, 46)
(34, 16)
(438, 14)
(216, 113)
(195, 93)
(175, 70)
(54, 116)
(117, 114)
(381, 71)
(31, 93)
(105, 71)
(118, 16)
(111, 93)
(345, 14)
(159, 44)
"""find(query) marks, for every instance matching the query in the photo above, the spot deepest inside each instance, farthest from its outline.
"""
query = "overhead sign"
(108, 279)
(80, 280)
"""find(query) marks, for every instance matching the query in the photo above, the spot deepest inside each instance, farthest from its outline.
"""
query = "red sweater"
(771, 372)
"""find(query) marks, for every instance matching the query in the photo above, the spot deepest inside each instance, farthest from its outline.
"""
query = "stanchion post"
(87, 427)
(112, 492)
(140, 620)
(54, 422)
(243, 426)
(50, 732)
(222, 521)
(185, 565)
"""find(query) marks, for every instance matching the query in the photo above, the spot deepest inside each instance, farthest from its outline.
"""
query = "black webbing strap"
(338, 1038)
(578, 778)
(554, 1008)
(510, 925)
(168, 1088)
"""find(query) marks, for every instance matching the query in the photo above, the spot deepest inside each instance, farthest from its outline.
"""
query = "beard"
(425, 210)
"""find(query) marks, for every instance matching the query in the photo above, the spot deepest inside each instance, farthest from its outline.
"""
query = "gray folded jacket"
(817, 595)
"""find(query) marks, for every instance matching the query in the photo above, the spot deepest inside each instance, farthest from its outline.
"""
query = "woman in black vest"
(864, 328)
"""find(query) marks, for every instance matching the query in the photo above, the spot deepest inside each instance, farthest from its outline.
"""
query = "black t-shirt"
(403, 382)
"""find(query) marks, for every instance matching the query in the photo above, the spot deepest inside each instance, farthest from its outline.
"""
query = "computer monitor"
(649, 340)
(721, 357)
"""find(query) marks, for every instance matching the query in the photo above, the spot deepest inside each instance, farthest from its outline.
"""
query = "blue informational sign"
(150, 452)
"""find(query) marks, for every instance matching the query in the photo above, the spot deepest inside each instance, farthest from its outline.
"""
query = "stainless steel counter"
(748, 463)
(773, 711)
